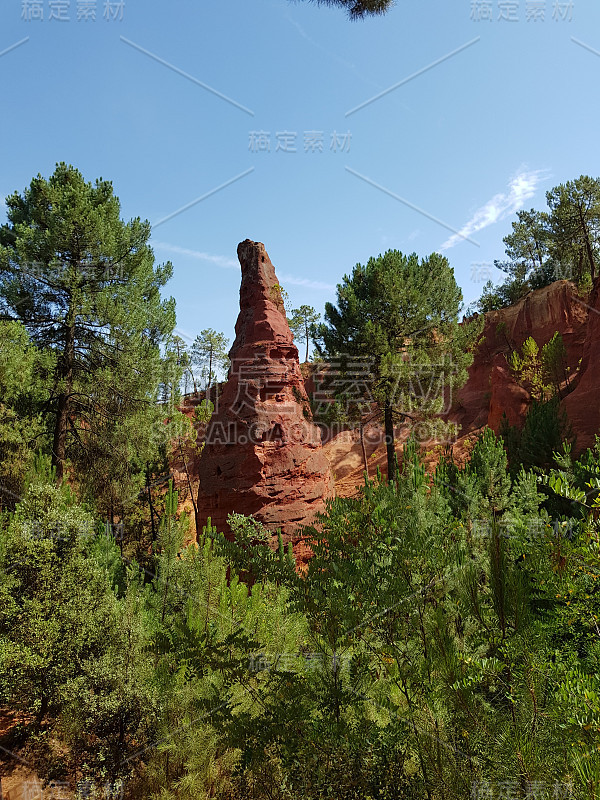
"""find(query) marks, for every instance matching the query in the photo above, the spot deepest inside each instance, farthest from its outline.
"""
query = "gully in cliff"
(262, 453)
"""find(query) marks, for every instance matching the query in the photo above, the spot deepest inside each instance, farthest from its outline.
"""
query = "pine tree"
(357, 9)
(528, 368)
(84, 285)
(529, 249)
(403, 326)
(209, 353)
(545, 246)
(554, 362)
(23, 369)
(302, 324)
(575, 221)
(54, 602)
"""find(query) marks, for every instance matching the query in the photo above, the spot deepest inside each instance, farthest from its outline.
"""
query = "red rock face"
(490, 390)
(506, 397)
(583, 403)
(262, 455)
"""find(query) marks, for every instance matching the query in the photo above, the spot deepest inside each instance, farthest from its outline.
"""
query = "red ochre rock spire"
(262, 453)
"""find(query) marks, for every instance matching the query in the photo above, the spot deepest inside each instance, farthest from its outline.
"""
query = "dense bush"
(443, 639)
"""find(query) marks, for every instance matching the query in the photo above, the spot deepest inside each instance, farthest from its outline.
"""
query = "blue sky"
(282, 121)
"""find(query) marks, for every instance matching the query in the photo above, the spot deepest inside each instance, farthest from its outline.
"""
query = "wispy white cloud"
(306, 282)
(220, 261)
(521, 188)
(230, 263)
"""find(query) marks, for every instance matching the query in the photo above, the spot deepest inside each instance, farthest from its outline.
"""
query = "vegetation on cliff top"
(546, 246)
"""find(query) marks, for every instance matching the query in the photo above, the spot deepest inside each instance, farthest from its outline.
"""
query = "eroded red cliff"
(583, 403)
(491, 390)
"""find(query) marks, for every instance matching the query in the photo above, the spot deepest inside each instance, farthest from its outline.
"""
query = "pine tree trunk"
(60, 436)
(588, 245)
(392, 464)
(362, 444)
(148, 489)
(306, 332)
(44, 706)
(65, 375)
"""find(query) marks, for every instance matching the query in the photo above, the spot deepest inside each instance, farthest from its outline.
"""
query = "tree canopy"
(546, 246)
(84, 285)
(303, 323)
(209, 354)
(358, 9)
(399, 314)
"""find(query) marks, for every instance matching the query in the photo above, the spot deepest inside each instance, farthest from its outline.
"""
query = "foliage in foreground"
(442, 641)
